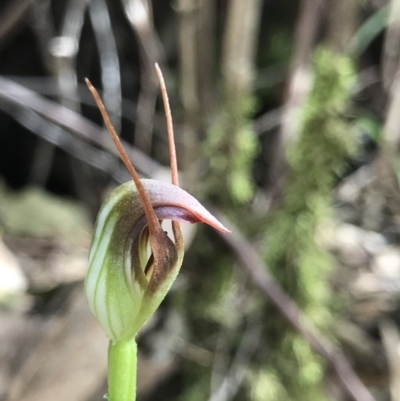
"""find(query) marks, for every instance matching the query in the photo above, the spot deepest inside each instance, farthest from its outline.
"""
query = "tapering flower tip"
(162, 195)
(129, 271)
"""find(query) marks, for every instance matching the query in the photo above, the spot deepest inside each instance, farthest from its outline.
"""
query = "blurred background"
(287, 123)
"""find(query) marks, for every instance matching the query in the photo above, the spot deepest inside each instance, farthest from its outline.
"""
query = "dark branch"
(15, 94)
(252, 263)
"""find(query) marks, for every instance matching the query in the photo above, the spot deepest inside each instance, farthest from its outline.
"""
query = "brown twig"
(152, 220)
(257, 270)
(170, 128)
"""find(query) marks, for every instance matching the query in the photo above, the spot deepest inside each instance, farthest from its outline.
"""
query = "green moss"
(315, 161)
(285, 368)
(230, 149)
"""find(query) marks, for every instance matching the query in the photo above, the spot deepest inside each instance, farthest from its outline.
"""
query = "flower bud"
(131, 268)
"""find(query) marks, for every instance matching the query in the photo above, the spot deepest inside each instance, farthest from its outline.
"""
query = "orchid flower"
(132, 261)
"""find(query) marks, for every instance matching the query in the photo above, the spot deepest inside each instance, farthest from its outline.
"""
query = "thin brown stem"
(170, 128)
(249, 259)
(152, 220)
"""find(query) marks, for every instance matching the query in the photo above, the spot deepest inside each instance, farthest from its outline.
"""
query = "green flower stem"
(122, 361)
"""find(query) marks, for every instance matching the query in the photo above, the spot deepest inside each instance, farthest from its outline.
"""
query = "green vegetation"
(231, 147)
(315, 162)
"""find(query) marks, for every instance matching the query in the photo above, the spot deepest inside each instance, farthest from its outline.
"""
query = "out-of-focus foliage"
(38, 214)
(231, 147)
(370, 126)
(370, 29)
(215, 327)
(316, 160)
